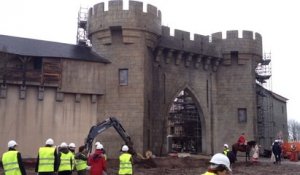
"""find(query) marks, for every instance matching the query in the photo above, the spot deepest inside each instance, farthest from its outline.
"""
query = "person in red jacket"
(242, 140)
(97, 162)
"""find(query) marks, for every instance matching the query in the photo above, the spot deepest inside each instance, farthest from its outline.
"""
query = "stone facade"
(219, 72)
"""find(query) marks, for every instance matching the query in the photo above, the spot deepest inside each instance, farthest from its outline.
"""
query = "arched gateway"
(184, 124)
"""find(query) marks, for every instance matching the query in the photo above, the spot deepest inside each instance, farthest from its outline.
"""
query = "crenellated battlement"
(234, 34)
(133, 18)
(135, 6)
(136, 26)
(182, 41)
(248, 43)
(215, 45)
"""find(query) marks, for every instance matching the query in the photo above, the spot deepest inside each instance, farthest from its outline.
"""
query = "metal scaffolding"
(265, 128)
(184, 133)
(82, 38)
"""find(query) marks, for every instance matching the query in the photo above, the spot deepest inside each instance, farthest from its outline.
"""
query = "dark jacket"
(276, 148)
(80, 156)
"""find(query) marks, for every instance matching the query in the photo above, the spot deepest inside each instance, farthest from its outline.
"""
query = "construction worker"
(99, 145)
(65, 161)
(125, 161)
(219, 165)
(81, 160)
(97, 162)
(47, 159)
(72, 148)
(226, 149)
(12, 160)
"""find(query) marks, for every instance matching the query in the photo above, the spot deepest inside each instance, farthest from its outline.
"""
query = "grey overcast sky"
(277, 21)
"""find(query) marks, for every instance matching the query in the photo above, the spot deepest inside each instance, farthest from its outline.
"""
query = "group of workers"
(63, 160)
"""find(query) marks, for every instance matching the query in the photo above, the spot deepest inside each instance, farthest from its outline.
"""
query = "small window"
(172, 130)
(242, 115)
(37, 63)
(234, 54)
(123, 77)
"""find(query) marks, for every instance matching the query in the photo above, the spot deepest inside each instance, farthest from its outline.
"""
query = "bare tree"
(294, 130)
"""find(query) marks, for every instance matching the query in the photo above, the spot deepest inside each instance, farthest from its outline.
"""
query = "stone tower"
(127, 38)
(236, 106)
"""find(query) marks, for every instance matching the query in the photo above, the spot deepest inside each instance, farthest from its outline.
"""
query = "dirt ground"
(198, 165)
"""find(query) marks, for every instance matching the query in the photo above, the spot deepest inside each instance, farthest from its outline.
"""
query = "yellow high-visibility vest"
(65, 162)
(10, 163)
(209, 173)
(125, 164)
(80, 164)
(46, 159)
(73, 159)
(226, 151)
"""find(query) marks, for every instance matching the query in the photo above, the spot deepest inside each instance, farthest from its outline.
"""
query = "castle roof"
(40, 48)
(275, 95)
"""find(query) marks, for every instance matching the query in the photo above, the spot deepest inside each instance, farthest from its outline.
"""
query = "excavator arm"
(113, 122)
(102, 126)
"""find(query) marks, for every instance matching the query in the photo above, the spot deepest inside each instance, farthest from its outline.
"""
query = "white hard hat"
(225, 145)
(63, 145)
(221, 159)
(99, 146)
(97, 143)
(72, 145)
(11, 144)
(49, 141)
(125, 148)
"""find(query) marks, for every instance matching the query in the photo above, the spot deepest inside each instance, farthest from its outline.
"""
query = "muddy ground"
(196, 166)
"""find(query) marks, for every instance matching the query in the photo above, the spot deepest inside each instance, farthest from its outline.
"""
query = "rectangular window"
(242, 115)
(37, 63)
(123, 77)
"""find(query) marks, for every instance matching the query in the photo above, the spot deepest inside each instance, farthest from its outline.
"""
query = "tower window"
(242, 115)
(234, 54)
(123, 77)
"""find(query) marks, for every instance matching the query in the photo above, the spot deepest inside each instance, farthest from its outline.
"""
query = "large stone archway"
(184, 131)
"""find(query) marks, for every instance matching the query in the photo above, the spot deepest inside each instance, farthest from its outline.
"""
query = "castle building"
(170, 93)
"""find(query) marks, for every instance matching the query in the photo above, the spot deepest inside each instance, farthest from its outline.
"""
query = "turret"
(127, 38)
(101, 22)
(247, 45)
(237, 82)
